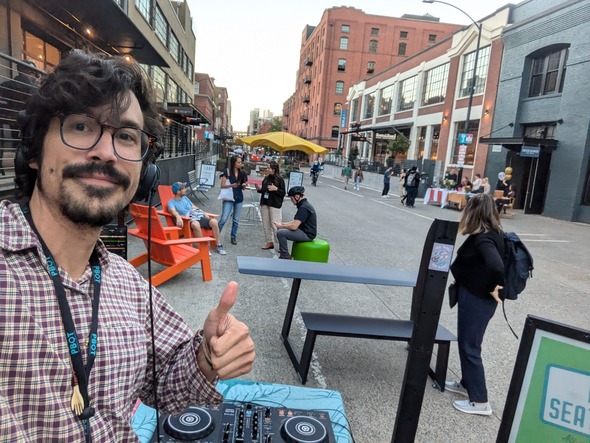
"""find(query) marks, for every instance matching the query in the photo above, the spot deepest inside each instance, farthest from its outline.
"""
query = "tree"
(276, 125)
(400, 145)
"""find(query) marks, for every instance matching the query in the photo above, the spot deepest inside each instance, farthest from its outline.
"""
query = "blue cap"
(178, 186)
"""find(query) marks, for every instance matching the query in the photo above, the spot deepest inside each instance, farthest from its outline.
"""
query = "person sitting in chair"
(181, 206)
(304, 226)
(506, 200)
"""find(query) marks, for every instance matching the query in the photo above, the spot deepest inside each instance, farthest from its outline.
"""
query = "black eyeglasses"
(82, 132)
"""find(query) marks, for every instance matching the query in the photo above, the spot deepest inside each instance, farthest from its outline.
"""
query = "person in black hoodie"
(479, 273)
(272, 193)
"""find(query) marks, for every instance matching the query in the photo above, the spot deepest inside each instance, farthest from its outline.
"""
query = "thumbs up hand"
(227, 348)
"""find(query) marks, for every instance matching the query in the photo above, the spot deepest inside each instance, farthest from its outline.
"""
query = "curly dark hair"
(82, 81)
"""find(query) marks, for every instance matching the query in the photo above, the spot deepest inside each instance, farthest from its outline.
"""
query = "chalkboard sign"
(295, 179)
(207, 175)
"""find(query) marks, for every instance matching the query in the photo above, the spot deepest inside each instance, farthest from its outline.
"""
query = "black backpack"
(518, 267)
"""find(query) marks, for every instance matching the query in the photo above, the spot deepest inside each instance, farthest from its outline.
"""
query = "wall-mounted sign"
(343, 115)
(549, 395)
(465, 139)
(496, 148)
(530, 151)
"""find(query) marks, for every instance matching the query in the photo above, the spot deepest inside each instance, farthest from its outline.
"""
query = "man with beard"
(75, 323)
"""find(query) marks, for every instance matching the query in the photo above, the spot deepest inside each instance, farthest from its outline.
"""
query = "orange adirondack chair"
(176, 254)
(165, 193)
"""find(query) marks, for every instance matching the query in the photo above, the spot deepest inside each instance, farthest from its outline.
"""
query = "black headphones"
(148, 183)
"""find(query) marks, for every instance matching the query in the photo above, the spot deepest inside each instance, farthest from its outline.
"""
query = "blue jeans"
(472, 320)
(283, 235)
(226, 209)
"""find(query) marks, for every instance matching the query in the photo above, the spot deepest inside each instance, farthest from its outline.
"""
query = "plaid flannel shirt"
(35, 365)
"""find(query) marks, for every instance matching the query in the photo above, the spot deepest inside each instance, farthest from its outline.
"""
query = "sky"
(251, 47)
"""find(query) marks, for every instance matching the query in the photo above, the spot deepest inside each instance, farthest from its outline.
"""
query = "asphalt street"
(365, 229)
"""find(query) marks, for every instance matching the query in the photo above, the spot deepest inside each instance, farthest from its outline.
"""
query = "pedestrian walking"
(401, 188)
(411, 183)
(347, 174)
(358, 178)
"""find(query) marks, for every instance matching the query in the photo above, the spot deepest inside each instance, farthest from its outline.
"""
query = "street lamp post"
(472, 79)
(341, 124)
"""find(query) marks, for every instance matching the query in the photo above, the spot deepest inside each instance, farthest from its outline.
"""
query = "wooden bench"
(339, 325)
(374, 328)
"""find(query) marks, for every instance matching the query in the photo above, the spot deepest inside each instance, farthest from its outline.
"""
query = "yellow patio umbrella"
(283, 142)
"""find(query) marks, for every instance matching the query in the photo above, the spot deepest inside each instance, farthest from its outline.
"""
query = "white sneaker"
(456, 387)
(220, 250)
(469, 407)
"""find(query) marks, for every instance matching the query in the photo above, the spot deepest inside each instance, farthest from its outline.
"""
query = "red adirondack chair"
(177, 254)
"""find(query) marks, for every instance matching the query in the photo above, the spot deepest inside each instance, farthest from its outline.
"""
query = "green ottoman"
(317, 250)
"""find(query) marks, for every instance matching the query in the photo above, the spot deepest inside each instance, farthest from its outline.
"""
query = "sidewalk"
(364, 229)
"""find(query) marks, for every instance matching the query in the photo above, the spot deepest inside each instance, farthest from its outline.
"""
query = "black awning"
(114, 32)
(182, 110)
(515, 143)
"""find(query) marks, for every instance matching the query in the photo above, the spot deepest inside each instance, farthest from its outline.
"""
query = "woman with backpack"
(479, 275)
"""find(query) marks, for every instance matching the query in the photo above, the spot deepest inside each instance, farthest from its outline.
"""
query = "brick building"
(425, 97)
(342, 49)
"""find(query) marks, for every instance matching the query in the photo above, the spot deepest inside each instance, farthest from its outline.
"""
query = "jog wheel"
(194, 423)
(302, 429)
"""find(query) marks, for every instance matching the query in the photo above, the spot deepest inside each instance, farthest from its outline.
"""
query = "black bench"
(369, 327)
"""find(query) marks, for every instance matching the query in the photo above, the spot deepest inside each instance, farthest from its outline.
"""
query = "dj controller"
(245, 423)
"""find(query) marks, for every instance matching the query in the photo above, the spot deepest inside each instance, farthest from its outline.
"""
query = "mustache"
(77, 170)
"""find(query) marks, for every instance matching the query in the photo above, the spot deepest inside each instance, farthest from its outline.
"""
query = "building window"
(435, 85)
(174, 47)
(44, 55)
(345, 29)
(481, 75)
(385, 100)
(401, 49)
(339, 87)
(341, 64)
(373, 46)
(172, 91)
(548, 73)
(374, 31)
(145, 8)
(371, 67)
(369, 105)
(337, 108)
(354, 108)
(334, 131)
(470, 153)
(434, 142)
(431, 38)
(403, 34)
(344, 43)
(407, 95)
(161, 26)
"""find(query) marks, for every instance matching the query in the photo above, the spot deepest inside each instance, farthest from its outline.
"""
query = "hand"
(229, 341)
(277, 225)
(179, 222)
(234, 185)
(495, 293)
(272, 188)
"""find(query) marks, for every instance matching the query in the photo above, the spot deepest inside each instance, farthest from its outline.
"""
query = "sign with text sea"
(549, 396)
